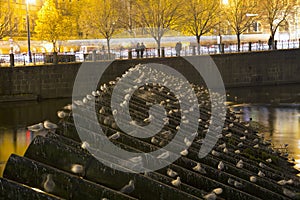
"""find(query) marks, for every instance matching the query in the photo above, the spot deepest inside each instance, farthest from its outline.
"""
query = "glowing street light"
(28, 28)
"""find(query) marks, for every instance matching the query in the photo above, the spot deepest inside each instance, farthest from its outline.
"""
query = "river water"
(276, 108)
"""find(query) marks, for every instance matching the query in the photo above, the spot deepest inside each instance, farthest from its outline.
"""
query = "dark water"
(276, 108)
(15, 117)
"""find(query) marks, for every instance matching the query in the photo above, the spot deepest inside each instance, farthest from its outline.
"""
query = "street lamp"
(28, 30)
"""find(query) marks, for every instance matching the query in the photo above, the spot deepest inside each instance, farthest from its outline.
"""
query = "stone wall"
(237, 70)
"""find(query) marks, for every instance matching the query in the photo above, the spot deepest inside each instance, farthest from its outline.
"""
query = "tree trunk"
(238, 35)
(158, 47)
(54, 46)
(108, 48)
(198, 44)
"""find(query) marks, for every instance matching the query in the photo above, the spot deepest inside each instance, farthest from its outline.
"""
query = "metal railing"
(42, 58)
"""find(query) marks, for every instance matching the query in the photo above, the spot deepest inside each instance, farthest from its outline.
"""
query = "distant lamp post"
(28, 28)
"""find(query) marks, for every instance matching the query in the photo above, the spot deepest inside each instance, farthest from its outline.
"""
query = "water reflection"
(15, 117)
(280, 122)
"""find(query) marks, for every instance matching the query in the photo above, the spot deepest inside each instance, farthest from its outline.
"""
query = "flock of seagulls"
(234, 139)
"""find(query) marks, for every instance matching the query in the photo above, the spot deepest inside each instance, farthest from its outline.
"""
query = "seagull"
(240, 144)
(221, 146)
(114, 136)
(89, 97)
(49, 125)
(290, 181)
(36, 127)
(221, 165)
(102, 110)
(240, 164)
(184, 152)
(225, 150)
(187, 142)
(85, 145)
(49, 184)
(127, 189)
(176, 182)
(269, 160)
(262, 165)
(243, 138)
(228, 135)
(291, 194)
(76, 168)
(61, 114)
(199, 168)
(281, 182)
(154, 140)
(237, 151)
(256, 146)
(218, 191)
(253, 179)
(210, 196)
(171, 173)
(164, 155)
(136, 159)
(237, 184)
(261, 174)
(68, 107)
(215, 153)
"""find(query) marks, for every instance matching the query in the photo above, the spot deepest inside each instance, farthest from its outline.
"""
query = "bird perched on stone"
(171, 173)
(164, 155)
(49, 184)
(225, 150)
(61, 114)
(256, 146)
(210, 196)
(129, 188)
(85, 145)
(261, 174)
(68, 107)
(49, 125)
(176, 182)
(187, 142)
(36, 127)
(114, 136)
(199, 168)
(77, 169)
(237, 151)
(262, 165)
(269, 160)
(184, 152)
(238, 184)
(221, 165)
(217, 191)
(253, 179)
(243, 138)
(240, 144)
(215, 153)
(240, 164)
(136, 159)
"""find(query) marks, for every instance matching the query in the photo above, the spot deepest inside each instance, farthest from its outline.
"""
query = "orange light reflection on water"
(13, 141)
(282, 123)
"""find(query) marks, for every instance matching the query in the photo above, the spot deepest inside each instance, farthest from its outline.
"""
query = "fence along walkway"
(42, 58)
(57, 166)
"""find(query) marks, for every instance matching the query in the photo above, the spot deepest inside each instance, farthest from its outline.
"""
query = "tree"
(200, 17)
(101, 17)
(276, 13)
(240, 14)
(157, 17)
(51, 25)
(7, 23)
